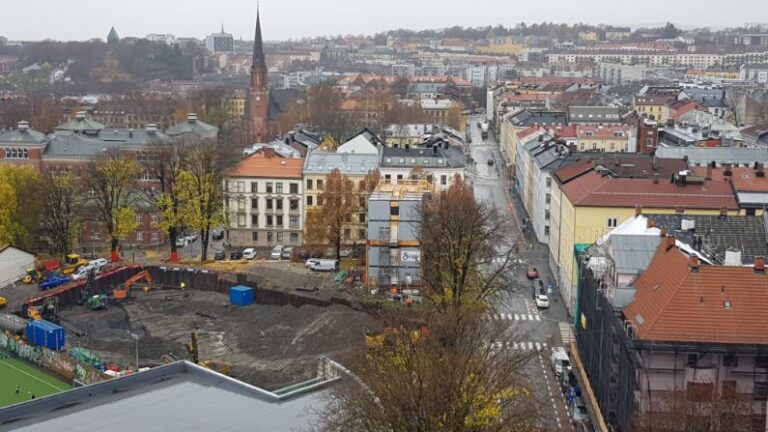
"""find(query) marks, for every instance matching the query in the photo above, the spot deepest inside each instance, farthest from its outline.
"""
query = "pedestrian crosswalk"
(515, 317)
(566, 332)
(519, 346)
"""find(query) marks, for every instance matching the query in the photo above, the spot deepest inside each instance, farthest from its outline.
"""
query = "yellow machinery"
(33, 276)
(73, 262)
(33, 313)
(2, 302)
(214, 365)
(375, 340)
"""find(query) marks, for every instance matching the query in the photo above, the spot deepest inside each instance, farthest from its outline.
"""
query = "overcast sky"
(294, 19)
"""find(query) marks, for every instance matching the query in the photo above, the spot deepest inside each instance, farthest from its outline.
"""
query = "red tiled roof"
(675, 304)
(744, 179)
(268, 164)
(594, 190)
(569, 172)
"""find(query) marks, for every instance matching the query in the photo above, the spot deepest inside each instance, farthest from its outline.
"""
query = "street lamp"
(136, 341)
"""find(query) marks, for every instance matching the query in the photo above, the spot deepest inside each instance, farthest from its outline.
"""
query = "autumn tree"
(466, 249)
(455, 116)
(60, 221)
(111, 182)
(20, 206)
(336, 205)
(418, 172)
(448, 376)
(199, 188)
(41, 111)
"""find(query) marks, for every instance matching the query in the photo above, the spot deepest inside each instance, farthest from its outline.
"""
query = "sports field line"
(32, 376)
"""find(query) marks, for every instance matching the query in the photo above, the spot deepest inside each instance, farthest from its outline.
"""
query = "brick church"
(258, 100)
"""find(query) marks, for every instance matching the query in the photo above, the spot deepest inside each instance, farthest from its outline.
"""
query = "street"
(527, 328)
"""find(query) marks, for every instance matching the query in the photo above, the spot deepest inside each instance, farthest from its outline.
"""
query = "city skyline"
(298, 19)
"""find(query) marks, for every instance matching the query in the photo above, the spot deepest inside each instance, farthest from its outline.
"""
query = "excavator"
(73, 262)
(49, 310)
(124, 288)
(193, 351)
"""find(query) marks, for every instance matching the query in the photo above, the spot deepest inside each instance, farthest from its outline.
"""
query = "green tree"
(111, 185)
(21, 206)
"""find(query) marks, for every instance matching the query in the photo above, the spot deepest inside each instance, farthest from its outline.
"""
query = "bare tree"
(59, 220)
(466, 249)
(336, 205)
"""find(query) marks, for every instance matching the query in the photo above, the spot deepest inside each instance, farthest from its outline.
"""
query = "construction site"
(155, 315)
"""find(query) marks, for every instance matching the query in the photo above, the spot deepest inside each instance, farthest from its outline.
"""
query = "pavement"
(529, 329)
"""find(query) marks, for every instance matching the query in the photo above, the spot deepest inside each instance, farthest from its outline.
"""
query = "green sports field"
(30, 380)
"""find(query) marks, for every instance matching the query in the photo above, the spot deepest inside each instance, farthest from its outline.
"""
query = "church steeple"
(258, 61)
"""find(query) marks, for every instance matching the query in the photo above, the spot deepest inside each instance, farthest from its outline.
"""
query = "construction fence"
(56, 362)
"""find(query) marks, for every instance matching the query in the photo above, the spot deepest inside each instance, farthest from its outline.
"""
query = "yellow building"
(609, 138)
(503, 45)
(235, 106)
(591, 205)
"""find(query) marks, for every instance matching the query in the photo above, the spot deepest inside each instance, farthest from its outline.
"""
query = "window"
(241, 220)
(155, 236)
(760, 392)
(399, 176)
(255, 220)
(546, 230)
(269, 237)
(139, 236)
(241, 186)
(613, 146)
(254, 187)
(546, 214)
(294, 238)
(279, 204)
(279, 221)
(320, 184)
(293, 188)
(347, 233)
(269, 187)
(612, 223)
(547, 198)
(361, 201)
(361, 217)
(692, 360)
(361, 185)
(548, 181)
(361, 234)
(139, 219)
(443, 180)
(394, 211)
(589, 133)
(241, 204)
(269, 204)
(293, 204)
(279, 187)
(761, 362)
(269, 220)
(279, 237)
(254, 203)
(309, 184)
(730, 360)
(255, 236)
(387, 177)
(309, 200)
(155, 218)
(319, 200)
(293, 221)
(699, 392)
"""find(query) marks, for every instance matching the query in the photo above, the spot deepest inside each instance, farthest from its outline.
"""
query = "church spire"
(258, 61)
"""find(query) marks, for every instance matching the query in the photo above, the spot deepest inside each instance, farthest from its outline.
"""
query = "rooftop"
(177, 396)
(596, 190)
(193, 126)
(22, 135)
(708, 304)
(428, 157)
(267, 163)
(319, 162)
(593, 114)
(705, 155)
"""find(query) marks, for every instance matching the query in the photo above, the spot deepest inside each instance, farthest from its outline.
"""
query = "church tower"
(258, 100)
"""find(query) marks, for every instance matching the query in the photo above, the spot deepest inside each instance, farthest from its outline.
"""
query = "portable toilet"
(241, 295)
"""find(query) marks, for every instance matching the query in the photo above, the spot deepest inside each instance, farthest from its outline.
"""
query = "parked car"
(181, 242)
(490, 162)
(561, 363)
(217, 233)
(328, 265)
(311, 263)
(249, 253)
(220, 255)
(542, 301)
(236, 255)
(191, 238)
(532, 273)
(568, 380)
(578, 409)
(345, 253)
(277, 252)
(287, 253)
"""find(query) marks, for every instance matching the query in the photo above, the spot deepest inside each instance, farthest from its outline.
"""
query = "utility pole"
(136, 342)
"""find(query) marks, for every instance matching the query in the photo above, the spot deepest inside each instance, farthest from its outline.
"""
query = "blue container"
(47, 334)
(241, 295)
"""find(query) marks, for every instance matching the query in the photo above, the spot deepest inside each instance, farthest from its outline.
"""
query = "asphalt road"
(525, 327)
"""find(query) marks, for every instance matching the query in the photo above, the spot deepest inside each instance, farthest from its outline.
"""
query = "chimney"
(130, 133)
(732, 257)
(727, 170)
(669, 242)
(192, 117)
(709, 173)
(723, 212)
(434, 149)
(23, 126)
(759, 264)
(655, 178)
(693, 263)
(638, 210)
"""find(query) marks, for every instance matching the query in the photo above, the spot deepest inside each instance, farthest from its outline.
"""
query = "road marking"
(538, 317)
(32, 376)
(530, 317)
(517, 317)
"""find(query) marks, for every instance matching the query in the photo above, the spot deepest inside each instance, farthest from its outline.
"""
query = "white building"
(14, 262)
(442, 161)
(755, 72)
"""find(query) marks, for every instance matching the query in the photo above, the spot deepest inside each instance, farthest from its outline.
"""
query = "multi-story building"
(264, 200)
(593, 115)
(393, 246)
(219, 42)
(608, 138)
(442, 162)
(618, 74)
(437, 109)
(757, 72)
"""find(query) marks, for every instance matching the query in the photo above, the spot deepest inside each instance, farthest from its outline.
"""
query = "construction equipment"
(33, 276)
(136, 279)
(74, 262)
(50, 309)
(194, 353)
(87, 288)
(96, 302)
(192, 348)
(3, 302)
(33, 313)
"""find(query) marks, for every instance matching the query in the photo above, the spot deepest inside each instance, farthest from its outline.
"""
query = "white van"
(277, 252)
(249, 253)
(98, 263)
(328, 265)
(561, 363)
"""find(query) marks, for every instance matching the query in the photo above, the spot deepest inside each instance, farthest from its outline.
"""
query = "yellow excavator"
(33, 276)
(73, 262)
(192, 349)
(3, 302)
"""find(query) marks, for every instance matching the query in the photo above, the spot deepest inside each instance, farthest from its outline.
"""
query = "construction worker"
(17, 389)
(182, 285)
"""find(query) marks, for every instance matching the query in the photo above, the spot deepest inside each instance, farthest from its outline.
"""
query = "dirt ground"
(268, 346)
